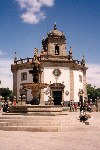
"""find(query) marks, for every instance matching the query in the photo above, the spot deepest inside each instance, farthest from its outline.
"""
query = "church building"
(53, 72)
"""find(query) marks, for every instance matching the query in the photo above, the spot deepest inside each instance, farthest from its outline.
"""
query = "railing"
(43, 57)
(23, 61)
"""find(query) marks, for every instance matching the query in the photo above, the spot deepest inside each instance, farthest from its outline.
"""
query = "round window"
(57, 72)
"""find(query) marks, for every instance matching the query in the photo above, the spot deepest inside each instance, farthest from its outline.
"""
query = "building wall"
(61, 44)
(64, 77)
(77, 84)
(48, 76)
(29, 80)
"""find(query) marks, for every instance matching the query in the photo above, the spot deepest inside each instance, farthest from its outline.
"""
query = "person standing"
(1, 106)
(5, 107)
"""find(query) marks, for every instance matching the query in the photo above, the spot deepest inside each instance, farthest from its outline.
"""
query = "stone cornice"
(51, 63)
(21, 66)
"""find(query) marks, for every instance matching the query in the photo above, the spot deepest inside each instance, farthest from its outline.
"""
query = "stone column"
(15, 83)
(84, 83)
(71, 85)
(42, 102)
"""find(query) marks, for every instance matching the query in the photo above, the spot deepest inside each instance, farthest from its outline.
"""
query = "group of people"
(83, 108)
(86, 108)
(84, 113)
(73, 106)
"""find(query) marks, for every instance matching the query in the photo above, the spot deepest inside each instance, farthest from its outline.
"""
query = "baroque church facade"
(64, 76)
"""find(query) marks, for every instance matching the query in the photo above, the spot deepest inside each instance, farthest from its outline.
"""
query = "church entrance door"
(57, 95)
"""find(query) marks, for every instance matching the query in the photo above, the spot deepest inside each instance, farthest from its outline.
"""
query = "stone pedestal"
(19, 103)
(42, 102)
(24, 103)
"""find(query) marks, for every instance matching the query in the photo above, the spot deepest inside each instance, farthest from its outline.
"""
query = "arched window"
(56, 50)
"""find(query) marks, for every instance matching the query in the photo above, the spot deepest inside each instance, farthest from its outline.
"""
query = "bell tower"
(55, 43)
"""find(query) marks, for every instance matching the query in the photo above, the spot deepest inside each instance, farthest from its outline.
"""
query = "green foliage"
(93, 92)
(5, 92)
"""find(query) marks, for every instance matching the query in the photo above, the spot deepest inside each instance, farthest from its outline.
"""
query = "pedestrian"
(81, 110)
(0, 106)
(5, 107)
(71, 104)
(75, 106)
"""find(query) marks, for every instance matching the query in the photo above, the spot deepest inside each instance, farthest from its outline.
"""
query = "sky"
(23, 24)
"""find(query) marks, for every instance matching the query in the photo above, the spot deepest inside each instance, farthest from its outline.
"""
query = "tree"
(5, 92)
(92, 92)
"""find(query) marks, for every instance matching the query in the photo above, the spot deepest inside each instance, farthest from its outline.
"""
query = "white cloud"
(93, 75)
(6, 77)
(32, 12)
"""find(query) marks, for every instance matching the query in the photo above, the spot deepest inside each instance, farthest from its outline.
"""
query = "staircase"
(58, 123)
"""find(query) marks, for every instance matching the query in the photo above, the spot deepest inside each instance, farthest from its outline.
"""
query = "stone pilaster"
(84, 84)
(42, 102)
(15, 83)
(71, 85)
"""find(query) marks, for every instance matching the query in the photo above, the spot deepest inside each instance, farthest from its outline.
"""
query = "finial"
(15, 57)
(70, 54)
(83, 58)
(62, 33)
(55, 27)
(70, 51)
(83, 61)
(35, 53)
(43, 39)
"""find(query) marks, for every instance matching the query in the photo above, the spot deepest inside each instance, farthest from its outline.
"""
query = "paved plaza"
(78, 136)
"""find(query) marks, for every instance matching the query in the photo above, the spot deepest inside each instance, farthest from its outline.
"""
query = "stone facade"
(54, 66)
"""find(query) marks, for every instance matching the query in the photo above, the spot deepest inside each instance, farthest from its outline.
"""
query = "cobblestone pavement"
(81, 137)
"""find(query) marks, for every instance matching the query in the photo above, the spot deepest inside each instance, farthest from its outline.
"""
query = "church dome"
(55, 32)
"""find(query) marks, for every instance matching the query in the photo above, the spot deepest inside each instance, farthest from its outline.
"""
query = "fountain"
(36, 106)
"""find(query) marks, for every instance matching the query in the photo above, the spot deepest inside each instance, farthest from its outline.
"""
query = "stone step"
(46, 123)
(30, 124)
(39, 128)
(23, 121)
(30, 128)
(42, 128)
(28, 117)
(37, 123)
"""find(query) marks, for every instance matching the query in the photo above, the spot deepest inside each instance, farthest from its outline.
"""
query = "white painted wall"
(48, 76)
(29, 79)
(77, 85)
(64, 77)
